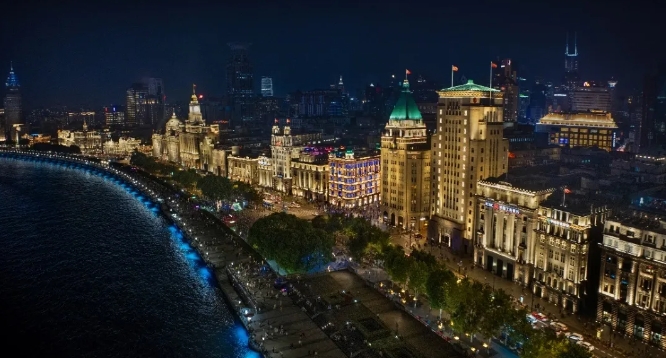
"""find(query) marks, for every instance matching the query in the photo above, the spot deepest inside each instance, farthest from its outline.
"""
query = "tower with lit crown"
(571, 77)
(405, 165)
(12, 102)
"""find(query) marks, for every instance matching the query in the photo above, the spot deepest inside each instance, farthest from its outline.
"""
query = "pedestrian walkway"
(583, 325)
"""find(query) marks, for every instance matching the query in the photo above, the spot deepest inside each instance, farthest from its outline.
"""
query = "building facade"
(354, 180)
(591, 97)
(468, 146)
(632, 284)
(506, 242)
(585, 129)
(267, 86)
(505, 79)
(563, 237)
(90, 142)
(190, 144)
(405, 166)
(13, 106)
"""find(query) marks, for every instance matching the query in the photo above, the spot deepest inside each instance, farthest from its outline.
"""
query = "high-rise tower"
(136, 110)
(405, 163)
(571, 77)
(468, 146)
(267, 86)
(240, 85)
(13, 105)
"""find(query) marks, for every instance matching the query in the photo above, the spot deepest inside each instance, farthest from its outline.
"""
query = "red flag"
(493, 64)
(567, 191)
(454, 68)
(408, 72)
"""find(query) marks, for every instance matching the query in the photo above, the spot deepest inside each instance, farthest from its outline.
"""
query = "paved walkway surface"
(622, 347)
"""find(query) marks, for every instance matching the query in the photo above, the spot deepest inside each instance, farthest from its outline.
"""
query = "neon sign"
(557, 223)
(501, 207)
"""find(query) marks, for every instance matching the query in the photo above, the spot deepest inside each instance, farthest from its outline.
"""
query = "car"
(577, 337)
(559, 327)
(587, 345)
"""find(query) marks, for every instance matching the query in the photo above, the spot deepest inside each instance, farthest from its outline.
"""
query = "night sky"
(89, 54)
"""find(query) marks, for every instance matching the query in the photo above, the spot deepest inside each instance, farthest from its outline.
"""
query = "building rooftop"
(406, 108)
(579, 119)
(640, 219)
(470, 86)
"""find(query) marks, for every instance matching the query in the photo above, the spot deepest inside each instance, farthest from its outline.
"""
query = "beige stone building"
(563, 234)
(468, 146)
(90, 141)
(189, 144)
(632, 284)
(507, 218)
(405, 166)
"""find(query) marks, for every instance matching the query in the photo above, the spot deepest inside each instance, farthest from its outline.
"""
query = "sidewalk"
(430, 318)
(585, 326)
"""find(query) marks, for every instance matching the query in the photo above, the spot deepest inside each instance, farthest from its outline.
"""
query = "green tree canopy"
(438, 286)
(293, 243)
(417, 275)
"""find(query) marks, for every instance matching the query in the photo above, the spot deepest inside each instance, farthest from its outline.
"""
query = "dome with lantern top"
(173, 124)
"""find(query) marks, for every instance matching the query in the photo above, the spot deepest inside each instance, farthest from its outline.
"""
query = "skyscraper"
(506, 80)
(405, 162)
(240, 85)
(571, 77)
(468, 146)
(136, 105)
(267, 86)
(12, 102)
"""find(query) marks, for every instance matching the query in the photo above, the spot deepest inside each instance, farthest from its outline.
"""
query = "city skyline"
(62, 64)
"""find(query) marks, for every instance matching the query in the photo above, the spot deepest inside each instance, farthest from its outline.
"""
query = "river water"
(86, 270)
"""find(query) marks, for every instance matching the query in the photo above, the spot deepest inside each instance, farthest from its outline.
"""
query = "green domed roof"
(405, 107)
(470, 86)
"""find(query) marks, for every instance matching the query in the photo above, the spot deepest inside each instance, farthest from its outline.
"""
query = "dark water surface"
(88, 270)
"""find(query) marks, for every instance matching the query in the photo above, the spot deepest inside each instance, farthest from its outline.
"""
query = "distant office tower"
(13, 105)
(155, 101)
(267, 86)
(136, 113)
(506, 80)
(405, 166)
(114, 115)
(240, 85)
(571, 78)
(653, 116)
(468, 146)
(590, 97)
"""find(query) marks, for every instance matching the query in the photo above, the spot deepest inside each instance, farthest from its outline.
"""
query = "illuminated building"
(571, 78)
(136, 109)
(353, 179)
(405, 165)
(114, 115)
(90, 142)
(190, 144)
(586, 129)
(123, 147)
(590, 97)
(506, 80)
(632, 283)
(13, 104)
(267, 86)
(563, 238)
(506, 220)
(310, 175)
(468, 146)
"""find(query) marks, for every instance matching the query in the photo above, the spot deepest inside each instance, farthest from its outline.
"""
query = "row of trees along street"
(468, 307)
(212, 187)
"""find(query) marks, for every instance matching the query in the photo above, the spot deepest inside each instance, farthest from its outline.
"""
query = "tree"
(291, 242)
(437, 287)
(396, 263)
(425, 257)
(500, 315)
(471, 300)
(417, 274)
(186, 178)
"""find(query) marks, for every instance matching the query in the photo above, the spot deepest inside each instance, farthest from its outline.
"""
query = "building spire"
(194, 93)
(575, 44)
(566, 49)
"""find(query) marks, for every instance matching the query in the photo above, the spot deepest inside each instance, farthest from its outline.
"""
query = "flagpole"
(452, 76)
(490, 93)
